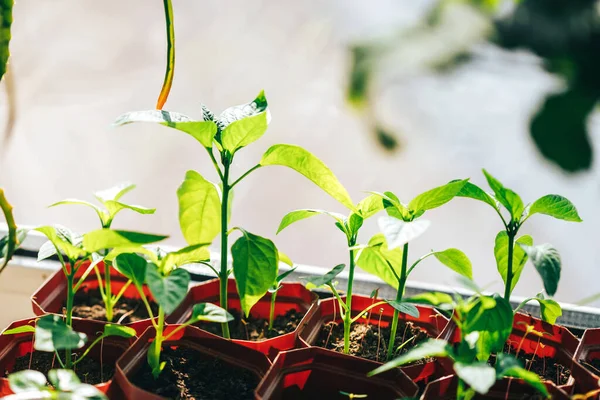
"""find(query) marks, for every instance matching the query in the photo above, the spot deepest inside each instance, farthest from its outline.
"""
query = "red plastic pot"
(445, 388)
(13, 346)
(587, 351)
(52, 294)
(290, 296)
(210, 345)
(321, 374)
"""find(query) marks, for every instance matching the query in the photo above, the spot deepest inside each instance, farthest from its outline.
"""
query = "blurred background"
(399, 96)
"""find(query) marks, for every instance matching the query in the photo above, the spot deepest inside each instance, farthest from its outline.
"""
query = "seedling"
(110, 199)
(15, 237)
(205, 207)
(63, 384)
(485, 322)
(511, 259)
(273, 290)
(168, 285)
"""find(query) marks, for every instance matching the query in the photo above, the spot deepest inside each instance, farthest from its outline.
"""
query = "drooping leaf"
(26, 381)
(378, 260)
(405, 308)
(398, 232)
(436, 197)
(118, 330)
(506, 197)
(102, 239)
(493, 319)
(473, 191)
(555, 206)
(519, 256)
(507, 365)
(546, 260)
(305, 163)
(199, 209)
(186, 255)
(114, 193)
(132, 267)
(52, 333)
(456, 260)
(242, 132)
(297, 215)
(480, 376)
(72, 252)
(327, 278)
(428, 348)
(168, 291)
(211, 313)
(255, 265)
(370, 205)
(64, 380)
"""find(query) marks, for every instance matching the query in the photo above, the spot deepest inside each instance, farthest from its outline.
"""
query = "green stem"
(399, 294)
(69, 312)
(168, 82)
(348, 316)
(108, 303)
(85, 353)
(223, 275)
(509, 270)
(12, 229)
(257, 166)
(272, 311)
(158, 340)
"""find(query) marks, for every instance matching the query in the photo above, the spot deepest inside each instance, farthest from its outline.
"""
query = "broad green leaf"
(555, 206)
(378, 260)
(241, 133)
(507, 365)
(429, 348)
(202, 131)
(236, 113)
(115, 207)
(26, 381)
(493, 322)
(118, 330)
(186, 255)
(436, 197)
(473, 191)
(133, 267)
(101, 213)
(211, 313)
(72, 252)
(546, 260)
(435, 299)
(405, 308)
(285, 259)
(519, 256)
(255, 265)
(102, 239)
(327, 278)
(199, 209)
(19, 329)
(114, 193)
(64, 380)
(398, 232)
(311, 167)
(506, 197)
(297, 215)
(168, 291)
(456, 260)
(52, 333)
(480, 376)
(370, 206)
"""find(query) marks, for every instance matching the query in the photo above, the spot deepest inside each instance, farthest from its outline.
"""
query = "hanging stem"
(399, 294)
(223, 275)
(168, 82)
(348, 315)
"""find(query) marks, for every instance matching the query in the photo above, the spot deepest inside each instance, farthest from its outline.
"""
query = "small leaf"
(546, 260)
(285, 274)
(102, 239)
(507, 365)
(305, 163)
(26, 381)
(118, 330)
(100, 212)
(19, 329)
(255, 265)
(506, 197)
(52, 334)
(241, 133)
(456, 260)
(114, 193)
(405, 308)
(398, 232)
(354, 223)
(378, 260)
(519, 256)
(186, 255)
(199, 209)
(555, 206)
(72, 252)
(168, 291)
(64, 380)
(436, 197)
(429, 348)
(480, 376)
(326, 279)
(549, 309)
(473, 191)
(114, 207)
(435, 299)
(236, 113)
(492, 317)
(285, 259)
(211, 313)
(370, 206)
(133, 267)
(297, 215)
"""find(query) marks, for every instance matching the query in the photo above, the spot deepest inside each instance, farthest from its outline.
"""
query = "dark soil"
(88, 304)
(593, 366)
(189, 374)
(370, 341)
(257, 329)
(87, 370)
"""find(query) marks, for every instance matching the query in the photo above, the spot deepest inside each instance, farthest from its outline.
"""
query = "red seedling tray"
(587, 351)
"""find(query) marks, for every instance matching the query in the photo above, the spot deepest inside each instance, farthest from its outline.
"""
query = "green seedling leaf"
(405, 308)
(199, 209)
(546, 260)
(326, 279)
(555, 206)
(26, 381)
(305, 163)
(456, 260)
(211, 313)
(240, 112)
(202, 131)
(370, 206)
(509, 199)
(436, 197)
(480, 376)
(355, 222)
(492, 317)
(102, 239)
(64, 379)
(297, 215)
(398, 232)
(19, 329)
(186, 255)
(378, 260)
(435, 299)
(519, 256)
(114, 193)
(133, 267)
(285, 274)
(52, 334)
(242, 132)
(285, 259)
(101, 213)
(507, 365)
(255, 265)
(473, 191)
(168, 291)
(71, 251)
(549, 309)
(118, 330)
(429, 348)
(114, 207)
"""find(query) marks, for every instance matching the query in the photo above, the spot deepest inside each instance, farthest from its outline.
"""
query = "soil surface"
(88, 304)
(370, 341)
(257, 329)
(88, 370)
(189, 374)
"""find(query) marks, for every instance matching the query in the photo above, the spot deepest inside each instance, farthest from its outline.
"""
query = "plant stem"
(509, 270)
(223, 276)
(108, 292)
(12, 229)
(158, 340)
(399, 294)
(272, 311)
(168, 82)
(69, 311)
(348, 314)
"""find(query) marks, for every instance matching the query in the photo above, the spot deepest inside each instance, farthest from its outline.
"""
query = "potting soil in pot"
(255, 329)
(88, 370)
(88, 304)
(370, 341)
(189, 374)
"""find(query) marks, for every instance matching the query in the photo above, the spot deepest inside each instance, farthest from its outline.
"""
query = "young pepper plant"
(168, 285)
(111, 200)
(62, 384)
(205, 207)
(511, 259)
(274, 289)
